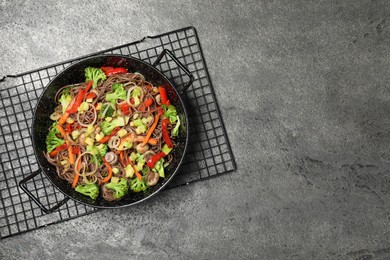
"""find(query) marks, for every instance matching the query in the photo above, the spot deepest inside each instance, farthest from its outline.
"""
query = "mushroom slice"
(111, 157)
(152, 178)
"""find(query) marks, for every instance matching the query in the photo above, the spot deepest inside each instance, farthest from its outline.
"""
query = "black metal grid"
(209, 152)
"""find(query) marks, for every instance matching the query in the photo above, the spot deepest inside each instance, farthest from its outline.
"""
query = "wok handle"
(186, 71)
(23, 186)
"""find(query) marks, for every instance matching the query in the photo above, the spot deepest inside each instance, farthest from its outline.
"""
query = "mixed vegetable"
(112, 134)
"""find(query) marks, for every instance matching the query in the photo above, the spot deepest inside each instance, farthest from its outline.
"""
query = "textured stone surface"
(303, 89)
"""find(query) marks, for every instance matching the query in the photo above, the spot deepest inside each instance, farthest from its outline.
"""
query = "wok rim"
(47, 174)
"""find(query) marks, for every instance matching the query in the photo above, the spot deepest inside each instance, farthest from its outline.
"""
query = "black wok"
(74, 74)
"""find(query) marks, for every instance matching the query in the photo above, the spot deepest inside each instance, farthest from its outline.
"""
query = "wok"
(75, 73)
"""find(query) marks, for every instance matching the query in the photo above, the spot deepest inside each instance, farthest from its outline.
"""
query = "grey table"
(303, 89)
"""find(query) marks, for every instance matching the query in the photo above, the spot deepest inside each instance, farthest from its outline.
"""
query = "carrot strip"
(151, 129)
(121, 157)
(139, 176)
(106, 138)
(63, 118)
(151, 140)
(71, 154)
(125, 161)
(109, 171)
(62, 131)
(77, 176)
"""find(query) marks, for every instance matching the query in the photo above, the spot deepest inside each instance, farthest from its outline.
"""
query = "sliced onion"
(55, 116)
(114, 142)
(78, 161)
(129, 93)
(94, 117)
(94, 179)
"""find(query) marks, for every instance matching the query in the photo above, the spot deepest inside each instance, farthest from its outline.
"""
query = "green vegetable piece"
(171, 113)
(137, 101)
(109, 113)
(93, 150)
(129, 171)
(102, 149)
(114, 180)
(136, 92)
(159, 167)
(175, 130)
(91, 190)
(138, 185)
(127, 144)
(165, 149)
(120, 187)
(119, 92)
(65, 99)
(141, 129)
(133, 156)
(107, 127)
(94, 74)
(52, 141)
(98, 151)
(137, 122)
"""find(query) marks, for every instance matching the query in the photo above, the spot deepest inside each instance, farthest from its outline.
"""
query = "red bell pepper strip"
(163, 96)
(106, 69)
(106, 138)
(165, 133)
(76, 149)
(88, 87)
(160, 111)
(78, 100)
(111, 70)
(125, 108)
(155, 158)
(58, 149)
(73, 106)
(90, 95)
(147, 103)
(68, 129)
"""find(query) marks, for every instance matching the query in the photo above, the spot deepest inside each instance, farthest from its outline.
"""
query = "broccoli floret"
(121, 188)
(94, 74)
(65, 99)
(137, 185)
(119, 93)
(107, 127)
(52, 141)
(91, 190)
(171, 113)
(109, 112)
(102, 149)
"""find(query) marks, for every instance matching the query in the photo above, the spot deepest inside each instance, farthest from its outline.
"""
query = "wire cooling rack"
(209, 153)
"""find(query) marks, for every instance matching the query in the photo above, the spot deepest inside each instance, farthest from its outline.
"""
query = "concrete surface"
(303, 89)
